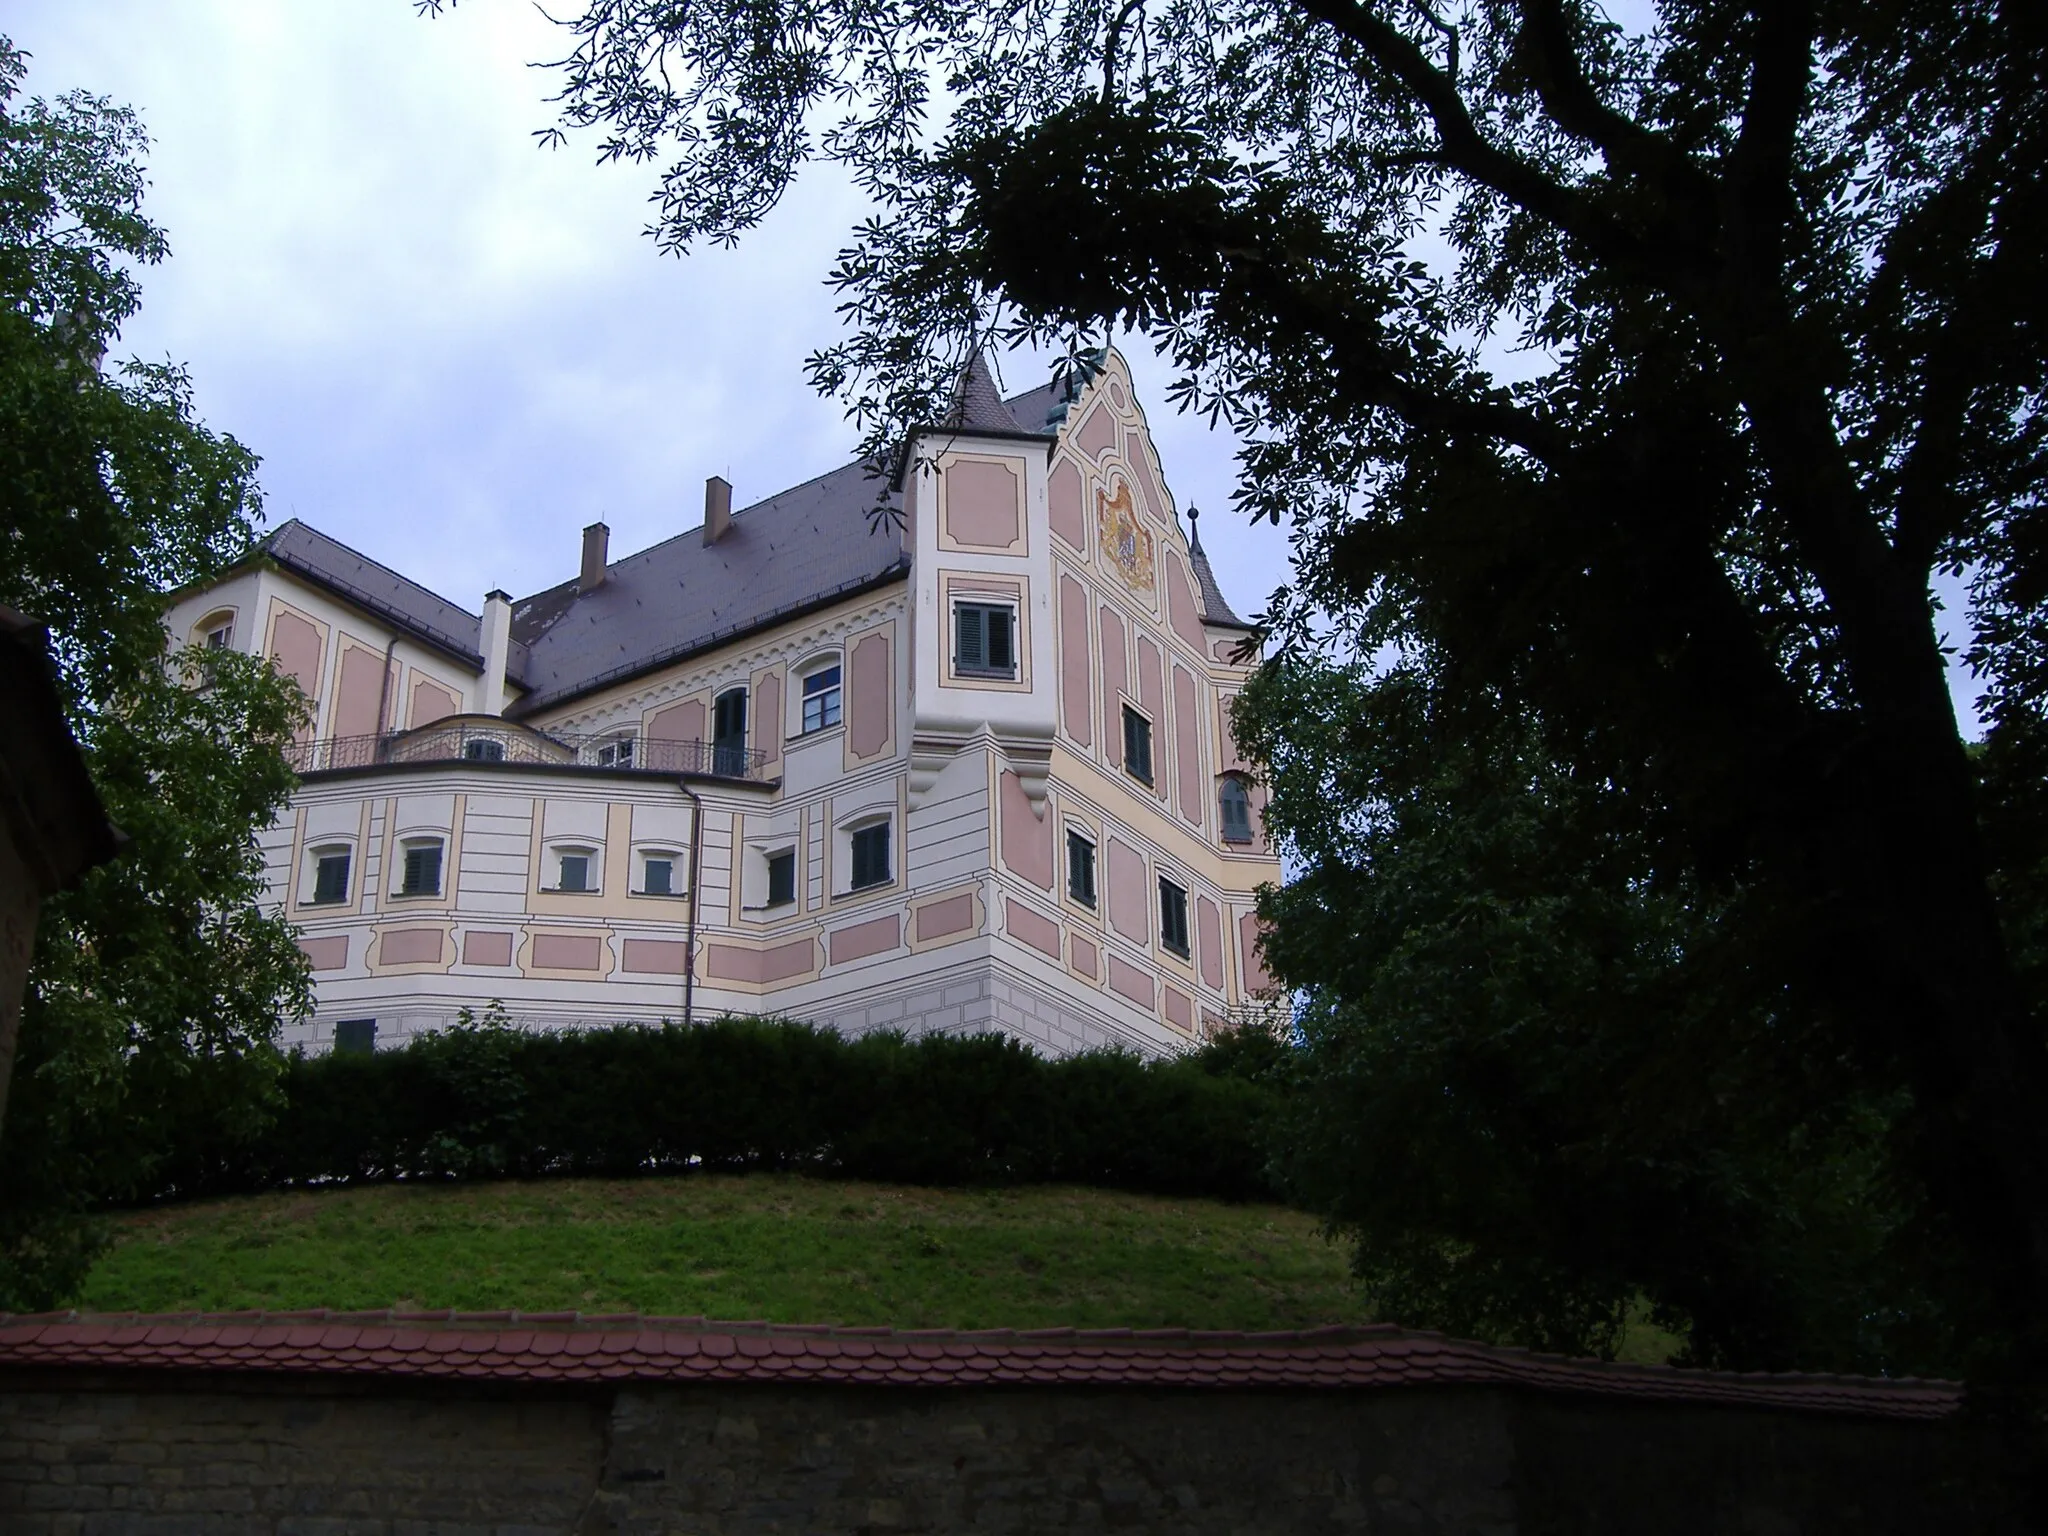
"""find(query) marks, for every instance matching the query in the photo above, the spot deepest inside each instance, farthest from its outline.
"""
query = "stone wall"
(162, 1455)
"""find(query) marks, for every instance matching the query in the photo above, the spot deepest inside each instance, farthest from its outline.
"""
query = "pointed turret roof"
(1214, 609)
(978, 404)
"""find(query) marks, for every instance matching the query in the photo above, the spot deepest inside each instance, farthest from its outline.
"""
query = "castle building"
(965, 766)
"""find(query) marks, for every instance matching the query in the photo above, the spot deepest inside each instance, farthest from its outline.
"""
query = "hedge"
(487, 1101)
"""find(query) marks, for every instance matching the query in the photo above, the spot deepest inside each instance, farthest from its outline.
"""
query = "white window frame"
(309, 875)
(677, 879)
(220, 622)
(621, 749)
(982, 671)
(831, 699)
(406, 845)
(593, 867)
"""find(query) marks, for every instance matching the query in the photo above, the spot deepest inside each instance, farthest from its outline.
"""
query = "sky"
(453, 348)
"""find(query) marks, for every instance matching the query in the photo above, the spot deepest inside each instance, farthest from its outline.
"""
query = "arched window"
(1236, 806)
(729, 732)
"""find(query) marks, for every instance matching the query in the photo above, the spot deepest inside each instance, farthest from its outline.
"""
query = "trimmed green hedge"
(485, 1101)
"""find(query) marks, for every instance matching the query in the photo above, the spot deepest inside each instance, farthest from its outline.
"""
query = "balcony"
(486, 740)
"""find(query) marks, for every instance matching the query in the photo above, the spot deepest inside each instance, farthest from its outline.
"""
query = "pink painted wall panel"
(1077, 703)
(1190, 783)
(1209, 941)
(655, 957)
(1130, 981)
(1027, 841)
(1233, 759)
(359, 694)
(295, 646)
(787, 960)
(1181, 609)
(678, 722)
(1151, 494)
(1179, 1009)
(431, 702)
(860, 940)
(1151, 695)
(329, 953)
(1256, 978)
(568, 952)
(729, 962)
(409, 946)
(1130, 911)
(939, 918)
(1098, 432)
(984, 504)
(767, 722)
(871, 690)
(1063, 504)
(1115, 678)
(1087, 959)
(1029, 927)
(482, 948)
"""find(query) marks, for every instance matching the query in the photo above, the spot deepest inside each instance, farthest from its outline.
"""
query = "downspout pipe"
(696, 868)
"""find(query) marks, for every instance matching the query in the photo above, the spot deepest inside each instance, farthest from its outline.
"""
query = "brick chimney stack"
(596, 541)
(717, 509)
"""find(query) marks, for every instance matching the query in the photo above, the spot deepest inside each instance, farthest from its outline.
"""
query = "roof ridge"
(395, 575)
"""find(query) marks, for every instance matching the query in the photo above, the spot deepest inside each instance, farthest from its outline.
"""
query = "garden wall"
(625, 1427)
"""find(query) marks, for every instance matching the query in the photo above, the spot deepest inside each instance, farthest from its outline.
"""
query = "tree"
(1730, 336)
(156, 985)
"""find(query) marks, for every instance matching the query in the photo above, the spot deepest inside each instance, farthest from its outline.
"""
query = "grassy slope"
(759, 1246)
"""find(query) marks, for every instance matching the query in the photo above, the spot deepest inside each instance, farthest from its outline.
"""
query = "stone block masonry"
(438, 1426)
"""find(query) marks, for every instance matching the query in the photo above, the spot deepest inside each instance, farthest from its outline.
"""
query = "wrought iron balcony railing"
(480, 741)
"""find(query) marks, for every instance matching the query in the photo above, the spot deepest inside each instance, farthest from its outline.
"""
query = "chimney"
(596, 540)
(497, 647)
(717, 509)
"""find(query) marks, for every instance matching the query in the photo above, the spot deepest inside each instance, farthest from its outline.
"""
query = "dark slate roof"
(381, 591)
(978, 405)
(514, 1347)
(1214, 609)
(797, 550)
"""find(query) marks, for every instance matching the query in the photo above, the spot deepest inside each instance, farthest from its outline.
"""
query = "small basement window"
(658, 874)
(330, 875)
(1080, 869)
(355, 1037)
(573, 869)
(984, 640)
(821, 699)
(870, 857)
(1137, 746)
(1173, 918)
(421, 872)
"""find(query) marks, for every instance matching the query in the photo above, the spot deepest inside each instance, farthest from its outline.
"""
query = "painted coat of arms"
(1125, 544)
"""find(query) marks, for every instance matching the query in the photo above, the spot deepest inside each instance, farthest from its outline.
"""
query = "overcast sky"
(453, 349)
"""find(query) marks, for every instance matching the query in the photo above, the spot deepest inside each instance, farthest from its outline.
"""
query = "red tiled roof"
(573, 1347)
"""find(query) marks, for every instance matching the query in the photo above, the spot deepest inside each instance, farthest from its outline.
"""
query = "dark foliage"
(484, 1100)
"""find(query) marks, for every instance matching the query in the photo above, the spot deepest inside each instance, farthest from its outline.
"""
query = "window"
(658, 874)
(616, 753)
(221, 637)
(729, 732)
(481, 749)
(1080, 869)
(572, 866)
(1137, 746)
(782, 878)
(984, 640)
(870, 857)
(330, 875)
(821, 699)
(422, 872)
(355, 1037)
(1173, 918)
(1237, 811)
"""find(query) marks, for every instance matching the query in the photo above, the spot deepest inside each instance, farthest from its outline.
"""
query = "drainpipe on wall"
(384, 697)
(696, 868)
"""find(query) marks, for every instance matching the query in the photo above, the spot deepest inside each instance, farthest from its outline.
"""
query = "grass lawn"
(776, 1247)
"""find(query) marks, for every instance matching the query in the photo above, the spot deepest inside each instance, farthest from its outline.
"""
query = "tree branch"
(1760, 201)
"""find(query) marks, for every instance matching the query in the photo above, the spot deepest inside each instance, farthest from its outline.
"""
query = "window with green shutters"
(870, 857)
(1173, 918)
(330, 876)
(984, 640)
(782, 878)
(422, 876)
(1080, 869)
(1137, 746)
(660, 876)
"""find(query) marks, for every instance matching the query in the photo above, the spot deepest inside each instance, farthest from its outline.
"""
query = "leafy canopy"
(1628, 383)
(156, 985)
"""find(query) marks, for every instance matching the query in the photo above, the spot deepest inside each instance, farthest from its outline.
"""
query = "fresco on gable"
(1126, 544)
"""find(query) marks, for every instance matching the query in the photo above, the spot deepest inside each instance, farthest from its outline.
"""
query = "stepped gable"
(355, 578)
(807, 546)
(573, 1347)
(1215, 609)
